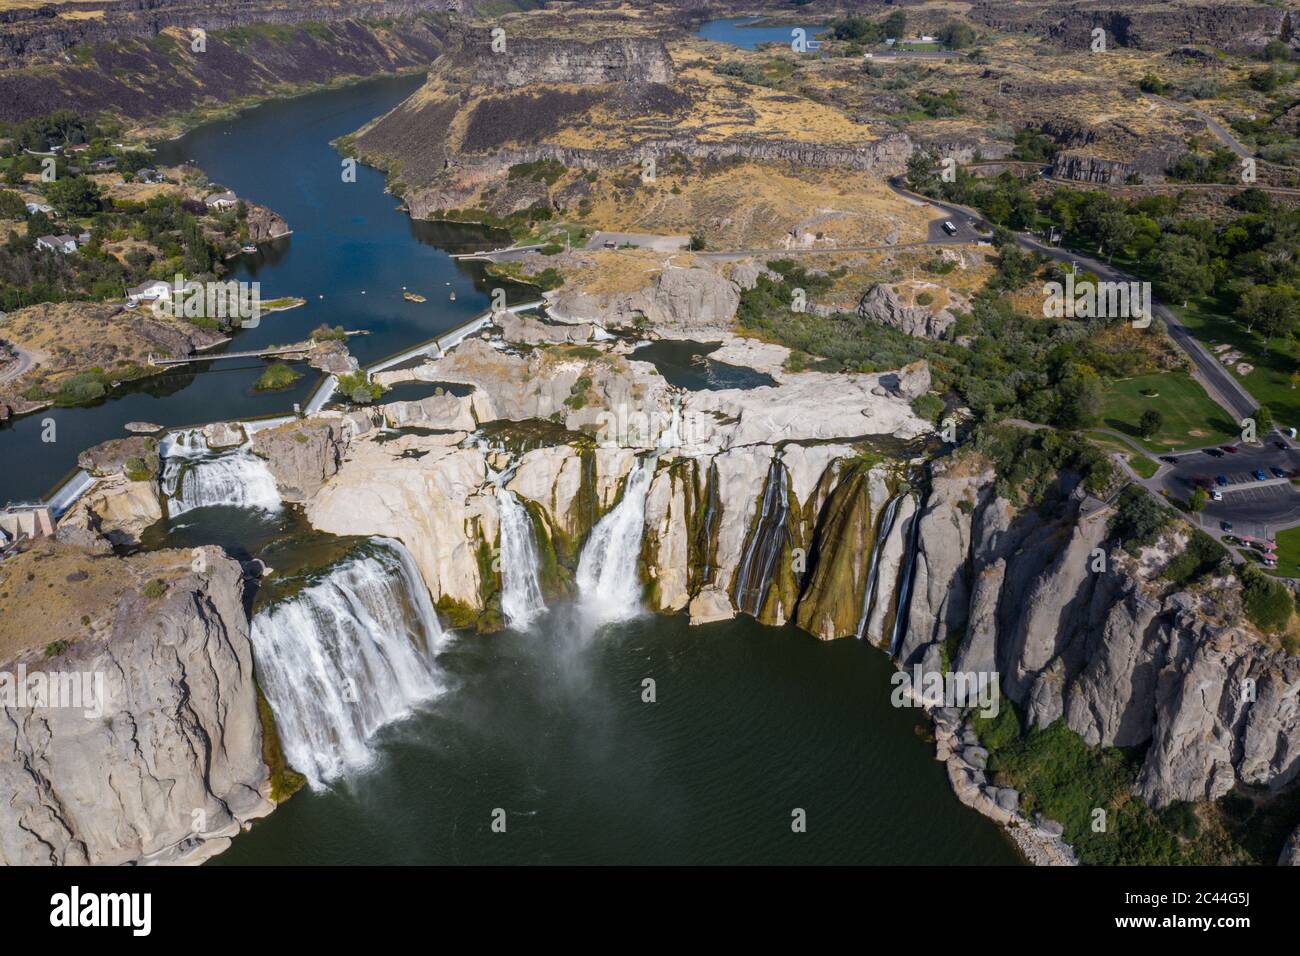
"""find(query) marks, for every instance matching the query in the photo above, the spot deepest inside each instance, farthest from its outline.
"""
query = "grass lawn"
(1144, 466)
(1191, 418)
(1270, 382)
(1288, 553)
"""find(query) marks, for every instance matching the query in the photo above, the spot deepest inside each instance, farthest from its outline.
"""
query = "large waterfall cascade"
(195, 476)
(765, 545)
(608, 579)
(521, 588)
(345, 656)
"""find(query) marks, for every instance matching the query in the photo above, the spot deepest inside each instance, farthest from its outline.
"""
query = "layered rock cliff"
(157, 756)
(1079, 630)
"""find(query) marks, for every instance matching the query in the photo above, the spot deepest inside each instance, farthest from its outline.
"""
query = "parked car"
(1282, 445)
(1259, 474)
(1221, 480)
(1277, 472)
(1216, 494)
(1225, 526)
(949, 228)
(1214, 452)
(1230, 449)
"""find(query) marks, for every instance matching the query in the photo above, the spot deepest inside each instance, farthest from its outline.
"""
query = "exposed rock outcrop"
(698, 299)
(881, 304)
(301, 455)
(160, 760)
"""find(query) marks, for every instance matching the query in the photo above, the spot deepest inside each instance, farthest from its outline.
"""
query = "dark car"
(1213, 452)
(1277, 472)
(1282, 445)
(1169, 459)
(1230, 449)
(1225, 526)
(1220, 480)
(1259, 474)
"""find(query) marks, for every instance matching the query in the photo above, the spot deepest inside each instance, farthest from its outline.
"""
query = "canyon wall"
(167, 764)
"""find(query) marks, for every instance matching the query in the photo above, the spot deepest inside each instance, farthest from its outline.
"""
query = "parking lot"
(1252, 507)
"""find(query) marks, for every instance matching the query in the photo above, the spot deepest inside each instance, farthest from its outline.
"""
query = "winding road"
(1214, 378)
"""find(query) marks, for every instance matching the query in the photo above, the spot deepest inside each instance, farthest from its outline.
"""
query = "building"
(60, 244)
(34, 207)
(104, 165)
(226, 200)
(151, 291)
(148, 175)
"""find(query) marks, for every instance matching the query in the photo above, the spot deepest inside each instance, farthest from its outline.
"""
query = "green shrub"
(928, 406)
(1269, 603)
(80, 389)
(155, 589)
(359, 389)
(276, 376)
(55, 648)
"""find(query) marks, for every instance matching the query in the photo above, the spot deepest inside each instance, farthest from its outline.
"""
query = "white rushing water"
(608, 581)
(345, 656)
(194, 476)
(885, 525)
(521, 589)
(766, 543)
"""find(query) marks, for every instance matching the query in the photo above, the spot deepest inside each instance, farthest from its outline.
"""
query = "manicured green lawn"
(1191, 418)
(1288, 553)
(1270, 382)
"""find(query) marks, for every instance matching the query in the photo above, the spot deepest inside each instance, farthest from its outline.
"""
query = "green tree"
(1150, 422)
(12, 205)
(956, 35)
(1275, 309)
(74, 196)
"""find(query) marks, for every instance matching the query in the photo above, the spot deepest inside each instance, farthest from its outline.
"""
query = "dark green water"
(750, 723)
(686, 364)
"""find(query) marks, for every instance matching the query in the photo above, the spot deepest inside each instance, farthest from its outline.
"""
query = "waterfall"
(608, 580)
(194, 476)
(712, 507)
(521, 589)
(766, 543)
(346, 655)
(905, 586)
(873, 568)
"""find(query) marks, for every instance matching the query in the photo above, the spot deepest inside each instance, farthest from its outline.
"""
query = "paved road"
(1222, 133)
(22, 365)
(1218, 382)
(641, 240)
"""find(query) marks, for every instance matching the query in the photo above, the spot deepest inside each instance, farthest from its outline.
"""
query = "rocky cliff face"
(43, 31)
(159, 759)
(141, 63)
(524, 61)
(1143, 24)
(1078, 629)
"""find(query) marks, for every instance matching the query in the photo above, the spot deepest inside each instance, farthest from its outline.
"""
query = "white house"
(34, 207)
(226, 200)
(63, 244)
(150, 291)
